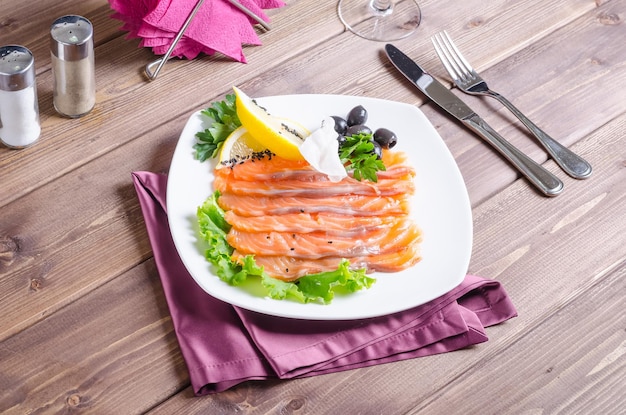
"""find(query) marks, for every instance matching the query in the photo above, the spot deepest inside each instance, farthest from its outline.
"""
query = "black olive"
(378, 150)
(357, 115)
(358, 129)
(341, 139)
(386, 138)
(340, 124)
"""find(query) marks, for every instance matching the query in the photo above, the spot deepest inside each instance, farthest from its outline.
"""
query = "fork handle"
(546, 182)
(571, 163)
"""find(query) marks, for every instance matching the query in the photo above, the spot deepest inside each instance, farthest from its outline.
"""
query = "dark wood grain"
(84, 326)
(92, 355)
(576, 374)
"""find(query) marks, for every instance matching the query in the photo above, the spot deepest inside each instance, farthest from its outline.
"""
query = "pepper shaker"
(19, 110)
(73, 67)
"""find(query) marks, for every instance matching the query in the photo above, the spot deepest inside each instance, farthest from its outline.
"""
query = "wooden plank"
(93, 355)
(572, 363)
(49, 261)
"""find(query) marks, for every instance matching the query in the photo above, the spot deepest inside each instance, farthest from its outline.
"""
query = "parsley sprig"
(357, 154)
(224, 120)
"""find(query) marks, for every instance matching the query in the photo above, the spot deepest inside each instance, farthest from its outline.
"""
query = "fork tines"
(450, 56)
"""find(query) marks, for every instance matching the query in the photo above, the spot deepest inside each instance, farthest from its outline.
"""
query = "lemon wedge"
(239, 146)
(280, 136)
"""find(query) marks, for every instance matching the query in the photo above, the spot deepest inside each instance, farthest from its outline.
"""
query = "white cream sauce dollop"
(321, 150)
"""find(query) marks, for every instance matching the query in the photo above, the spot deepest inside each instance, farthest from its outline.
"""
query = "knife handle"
(546, 182)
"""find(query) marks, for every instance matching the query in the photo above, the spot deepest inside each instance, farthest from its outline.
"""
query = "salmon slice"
(276, 168)
(276, 176)
(313, 188)
(330, 223)
(353, 205)
(239, 172)
(307, 174)
(289, 268)
(317, 245)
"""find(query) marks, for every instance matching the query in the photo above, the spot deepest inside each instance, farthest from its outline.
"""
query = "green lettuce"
(319, 287)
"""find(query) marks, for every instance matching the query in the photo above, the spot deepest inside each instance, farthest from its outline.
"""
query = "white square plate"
(440, 207)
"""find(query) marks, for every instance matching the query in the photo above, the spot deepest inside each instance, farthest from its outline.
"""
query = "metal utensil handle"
(152, 74)
(571, 163)
(546, 182)
(250, 14)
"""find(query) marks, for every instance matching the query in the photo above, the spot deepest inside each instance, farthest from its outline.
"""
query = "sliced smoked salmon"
(295, 221)
(352, 205)
(313, 187)
(319, 244)
(290, 268)
(332, 224)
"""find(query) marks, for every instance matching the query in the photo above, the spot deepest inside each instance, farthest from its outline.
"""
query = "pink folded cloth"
(224, 345)
(218, 26)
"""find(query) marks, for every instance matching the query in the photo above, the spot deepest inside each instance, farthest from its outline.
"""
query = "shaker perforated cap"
(17, 68)
(71, 38)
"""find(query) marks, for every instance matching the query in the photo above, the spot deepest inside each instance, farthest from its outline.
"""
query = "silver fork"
(467, 80)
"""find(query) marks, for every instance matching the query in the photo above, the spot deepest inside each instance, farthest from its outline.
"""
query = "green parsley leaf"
(224, 120)
(357, 154)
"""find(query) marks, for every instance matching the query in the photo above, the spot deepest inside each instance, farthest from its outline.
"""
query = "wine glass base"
(363, 19)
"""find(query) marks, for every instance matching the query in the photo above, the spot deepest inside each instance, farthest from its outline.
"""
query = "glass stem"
(381, 6)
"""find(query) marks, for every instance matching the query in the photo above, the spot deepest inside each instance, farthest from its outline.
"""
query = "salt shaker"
(19, 110)
(73, 67)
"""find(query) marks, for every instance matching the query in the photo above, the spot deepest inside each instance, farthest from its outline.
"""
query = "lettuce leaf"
(319, 287)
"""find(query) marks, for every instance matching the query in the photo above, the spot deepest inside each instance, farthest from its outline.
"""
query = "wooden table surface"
(84, 327)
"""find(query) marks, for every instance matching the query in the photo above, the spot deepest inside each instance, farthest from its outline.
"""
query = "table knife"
(546, 182)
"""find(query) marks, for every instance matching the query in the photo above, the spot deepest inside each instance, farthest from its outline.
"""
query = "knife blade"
(542, 179)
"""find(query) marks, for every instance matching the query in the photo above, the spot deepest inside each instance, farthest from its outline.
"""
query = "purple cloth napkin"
(224, 345)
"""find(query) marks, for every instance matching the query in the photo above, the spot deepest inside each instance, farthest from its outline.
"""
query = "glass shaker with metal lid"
(19, 110)
(73, 66)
